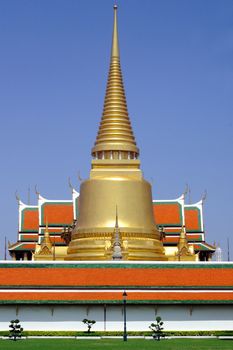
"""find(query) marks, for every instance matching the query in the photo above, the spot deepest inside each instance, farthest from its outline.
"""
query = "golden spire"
(117, 254)
(116, 222)
(46, 239)
(45, 248)
(115, 44)
(115, 132)
(184, 252)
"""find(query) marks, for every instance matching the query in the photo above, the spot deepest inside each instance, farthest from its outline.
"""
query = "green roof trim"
(202, 247)
(25, 248)
(179, 265)
(116, 288)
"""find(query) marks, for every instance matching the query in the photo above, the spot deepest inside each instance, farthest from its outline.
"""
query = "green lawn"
(110, 344)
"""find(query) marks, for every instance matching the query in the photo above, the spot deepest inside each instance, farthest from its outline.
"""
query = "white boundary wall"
(110, 317)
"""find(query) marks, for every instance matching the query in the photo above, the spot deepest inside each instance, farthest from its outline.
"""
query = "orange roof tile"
(167, 213)
(53, 230)
(29, 237)
(111, 296)
(192, 219)
(57, 213)
(29, 220)
(172, 230)
(175, 239)
(93, 276)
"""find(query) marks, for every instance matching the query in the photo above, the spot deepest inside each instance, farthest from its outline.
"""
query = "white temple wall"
(110, 318)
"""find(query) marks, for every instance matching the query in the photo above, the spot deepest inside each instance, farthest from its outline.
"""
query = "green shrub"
(157, 329)
(118, 333)
(15, 331)
(89, 324)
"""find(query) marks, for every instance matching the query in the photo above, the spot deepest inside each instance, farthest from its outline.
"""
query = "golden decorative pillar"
(115, 180)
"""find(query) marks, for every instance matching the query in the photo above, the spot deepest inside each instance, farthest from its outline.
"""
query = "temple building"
(170, 216)
(112, 240)
(82, 228)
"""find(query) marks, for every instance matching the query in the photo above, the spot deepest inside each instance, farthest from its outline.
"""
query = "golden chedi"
(115, 181)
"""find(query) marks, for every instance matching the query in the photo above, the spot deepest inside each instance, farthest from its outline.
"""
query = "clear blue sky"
(177, 62)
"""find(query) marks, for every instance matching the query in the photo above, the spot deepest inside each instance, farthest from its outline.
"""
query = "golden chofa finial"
(115, 139)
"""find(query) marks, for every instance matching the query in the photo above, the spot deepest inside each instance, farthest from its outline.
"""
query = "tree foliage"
(157, 329)
(16, 330)
(89, 324)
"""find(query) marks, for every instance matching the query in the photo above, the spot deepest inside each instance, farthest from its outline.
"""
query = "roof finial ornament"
(189, 193)
(186, 190)
(29, 195)
(79, 176)
(36, 191)
(17, 196)
(70, 184)
(204, 196)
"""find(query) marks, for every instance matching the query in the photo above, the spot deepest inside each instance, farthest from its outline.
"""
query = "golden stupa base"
(100, 247)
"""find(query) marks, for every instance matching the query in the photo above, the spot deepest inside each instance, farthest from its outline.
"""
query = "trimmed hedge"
(75, 334)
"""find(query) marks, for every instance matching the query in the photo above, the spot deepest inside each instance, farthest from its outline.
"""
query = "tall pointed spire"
(184, 252)
(117, 253)
(46, 239)
(115, 43)
(116, 222)
(115, 136)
